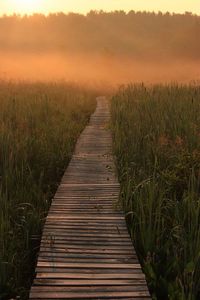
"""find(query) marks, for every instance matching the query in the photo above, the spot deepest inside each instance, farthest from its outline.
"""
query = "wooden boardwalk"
(86, 251)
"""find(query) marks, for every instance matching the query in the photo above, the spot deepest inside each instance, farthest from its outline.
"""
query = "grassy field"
(39, 125)
(157, 144)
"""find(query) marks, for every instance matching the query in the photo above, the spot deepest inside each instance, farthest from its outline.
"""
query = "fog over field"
(94, 69)
(101, 47)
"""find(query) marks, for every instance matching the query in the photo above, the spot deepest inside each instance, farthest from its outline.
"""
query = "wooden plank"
(70, 247)
(82, 212)
(102, 186)
(86, 256)
(72, 250)
(87, 295)
(88, 265)
(91, 282)
(74, 272)
(108, 219)
(102, 288)
(86, 244)
(81, 275)
(81, 260)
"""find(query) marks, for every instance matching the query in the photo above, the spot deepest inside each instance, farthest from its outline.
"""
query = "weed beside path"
(156, 134)
(39, 126)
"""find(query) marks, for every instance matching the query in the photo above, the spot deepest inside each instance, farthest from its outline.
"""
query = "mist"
(101, 48)
(94, 69)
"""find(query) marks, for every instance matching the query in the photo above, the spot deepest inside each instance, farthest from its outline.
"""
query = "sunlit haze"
(83, 6)
(100, 47)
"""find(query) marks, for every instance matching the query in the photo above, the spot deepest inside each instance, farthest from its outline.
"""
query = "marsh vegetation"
(156, 131)
(39, 125)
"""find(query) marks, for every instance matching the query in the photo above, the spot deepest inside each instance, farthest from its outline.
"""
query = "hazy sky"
(83, 6)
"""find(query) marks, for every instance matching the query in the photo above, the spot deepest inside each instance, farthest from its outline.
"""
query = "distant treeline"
(141, 35)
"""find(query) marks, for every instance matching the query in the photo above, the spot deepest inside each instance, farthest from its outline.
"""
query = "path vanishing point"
(86, 251)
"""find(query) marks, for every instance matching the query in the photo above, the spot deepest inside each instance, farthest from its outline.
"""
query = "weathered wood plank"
(77, 271)
(86, 256)
(81, 275)
(87, 295)
(103, 288)
(70, 247)
(90, 282)
(72, 250)
(80, 260)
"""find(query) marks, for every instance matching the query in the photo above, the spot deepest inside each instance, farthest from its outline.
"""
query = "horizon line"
(96, 11)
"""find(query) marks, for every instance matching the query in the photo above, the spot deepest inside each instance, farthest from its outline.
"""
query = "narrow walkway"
(86, 251)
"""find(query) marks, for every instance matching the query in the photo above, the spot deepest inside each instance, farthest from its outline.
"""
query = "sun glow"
(84, 6)
(26, 6)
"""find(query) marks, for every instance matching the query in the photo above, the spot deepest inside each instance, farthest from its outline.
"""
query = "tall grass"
(39, 125)
(157, 144)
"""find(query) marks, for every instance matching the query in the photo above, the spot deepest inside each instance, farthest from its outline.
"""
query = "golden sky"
(83, 6)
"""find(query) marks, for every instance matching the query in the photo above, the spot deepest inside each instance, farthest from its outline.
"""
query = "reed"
(39, 125)
(156, 131)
